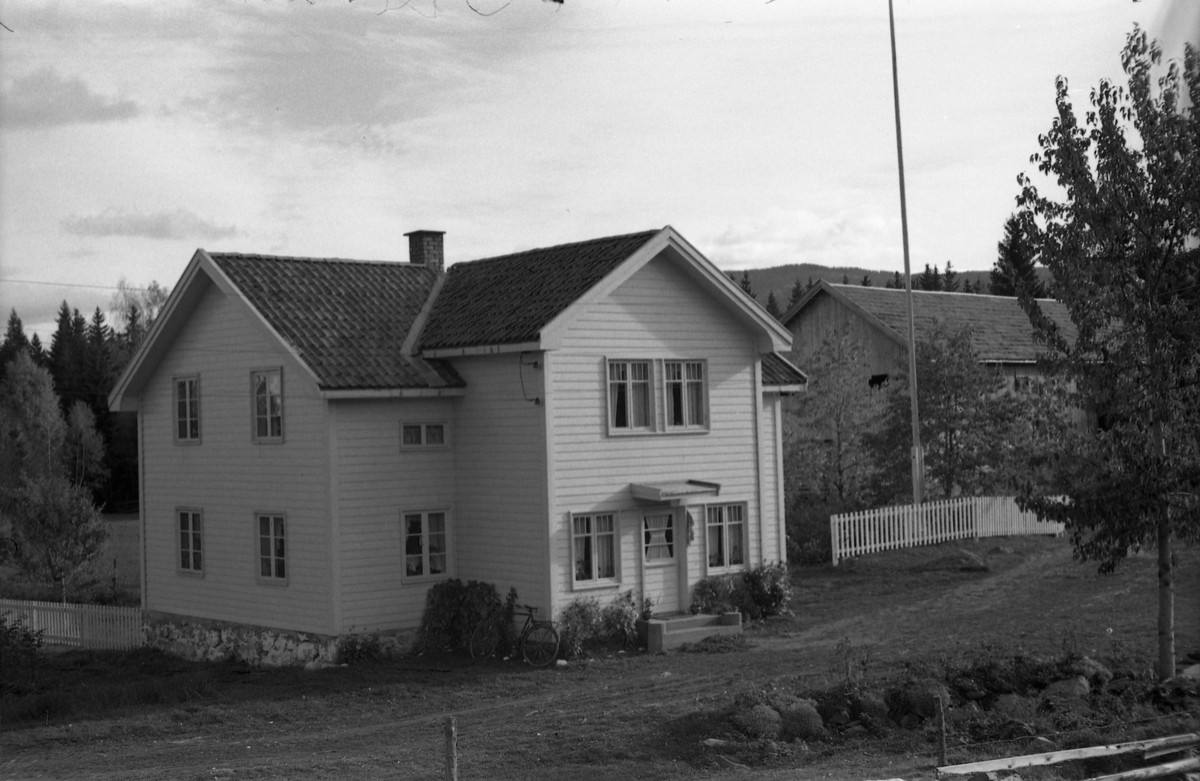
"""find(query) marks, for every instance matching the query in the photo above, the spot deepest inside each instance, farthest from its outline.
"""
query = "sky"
(133, 132)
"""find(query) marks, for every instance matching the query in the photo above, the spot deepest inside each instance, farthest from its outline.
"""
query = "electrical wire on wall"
(536, 364)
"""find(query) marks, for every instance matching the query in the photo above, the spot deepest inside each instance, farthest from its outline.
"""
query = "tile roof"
(509, 299)
(1000, 329)
(777, 370)
(347, 319)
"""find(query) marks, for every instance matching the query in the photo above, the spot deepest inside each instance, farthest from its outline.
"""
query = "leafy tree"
(747, 288)
(46, 465)
(949, 279)
(829, 424)
(134, 311)
(1118, 237)
(773, 306)
(964, 421)
(1014, 269)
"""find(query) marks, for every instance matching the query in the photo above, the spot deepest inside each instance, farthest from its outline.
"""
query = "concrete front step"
(663, 634)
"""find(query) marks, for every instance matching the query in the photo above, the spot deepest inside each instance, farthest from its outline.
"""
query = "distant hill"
(780, 279)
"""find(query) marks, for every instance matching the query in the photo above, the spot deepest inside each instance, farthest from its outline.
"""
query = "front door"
(662, 545)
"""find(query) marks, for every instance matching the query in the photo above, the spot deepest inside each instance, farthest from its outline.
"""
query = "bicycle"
(538, 640)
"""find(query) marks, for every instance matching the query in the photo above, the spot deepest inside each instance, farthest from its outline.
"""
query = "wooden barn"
(322, 440)
(878, 318)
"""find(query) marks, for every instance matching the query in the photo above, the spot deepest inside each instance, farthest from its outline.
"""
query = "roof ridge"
(936, 292)
(309, 259)
(563, 246)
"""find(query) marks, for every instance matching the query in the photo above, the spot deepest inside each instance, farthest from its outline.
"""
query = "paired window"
(422, 435)
(268, 405)
(629, 395)
(634, 386)
(726, 525)
(187, 409)
(272, 550)
(685, 394)
(426, 544)
(190, 529)
(658, 537)
(594, 545)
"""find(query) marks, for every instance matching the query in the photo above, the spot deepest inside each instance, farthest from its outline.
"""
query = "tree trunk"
(1166, 600)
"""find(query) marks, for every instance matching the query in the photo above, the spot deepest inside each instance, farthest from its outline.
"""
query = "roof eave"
(482, 349)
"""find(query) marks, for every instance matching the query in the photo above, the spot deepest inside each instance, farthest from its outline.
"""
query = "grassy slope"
(623, 716)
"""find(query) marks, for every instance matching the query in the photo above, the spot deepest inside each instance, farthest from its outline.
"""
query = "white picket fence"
(84, 626)
(905, 526)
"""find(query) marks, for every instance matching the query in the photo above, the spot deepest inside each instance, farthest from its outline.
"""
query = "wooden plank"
(1154, 771)
(1054, 757)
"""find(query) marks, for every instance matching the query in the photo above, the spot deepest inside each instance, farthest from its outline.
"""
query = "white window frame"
(628, 384)
(267, 438)
(190, 549)
(277, 522)
(671, 538)
(593, 536)
(425, 553)
(722, 527)
(686, 398)
(191, 416)
(424, 427)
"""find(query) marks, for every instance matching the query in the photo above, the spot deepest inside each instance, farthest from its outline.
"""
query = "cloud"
(852, 237)
(178, 224)
(46, 99)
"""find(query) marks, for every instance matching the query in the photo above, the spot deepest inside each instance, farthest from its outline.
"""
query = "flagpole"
(918, 455)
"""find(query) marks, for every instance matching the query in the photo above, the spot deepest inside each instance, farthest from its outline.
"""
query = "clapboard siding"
(230, 477)
(377, 480)
(659, 313)
(772, 550)
(501, 466)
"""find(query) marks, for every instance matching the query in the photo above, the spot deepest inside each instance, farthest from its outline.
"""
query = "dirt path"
(612, 718)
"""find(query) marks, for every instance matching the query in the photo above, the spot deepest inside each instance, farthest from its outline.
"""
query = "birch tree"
(1119, 234)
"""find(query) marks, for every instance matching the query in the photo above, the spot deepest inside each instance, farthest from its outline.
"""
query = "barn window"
(594, 547)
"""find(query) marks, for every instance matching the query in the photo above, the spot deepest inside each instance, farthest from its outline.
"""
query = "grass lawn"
(876, 620)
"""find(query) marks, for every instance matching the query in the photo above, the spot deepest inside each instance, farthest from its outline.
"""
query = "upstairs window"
(272, 553)
(628, 395)
(190, 543)
(187, 410)
(686, 407)
(726, 536)
(594, 544)
(426, 544)
(415, 435)
(268, 405)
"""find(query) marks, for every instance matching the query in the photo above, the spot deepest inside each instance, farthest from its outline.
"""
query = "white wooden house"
(322, 440)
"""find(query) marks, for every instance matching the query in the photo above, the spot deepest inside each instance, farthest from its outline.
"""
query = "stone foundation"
(199, 639)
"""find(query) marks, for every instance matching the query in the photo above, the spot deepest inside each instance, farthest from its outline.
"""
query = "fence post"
(451, 730)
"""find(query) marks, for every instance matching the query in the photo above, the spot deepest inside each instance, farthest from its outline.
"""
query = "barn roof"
(1000, 329)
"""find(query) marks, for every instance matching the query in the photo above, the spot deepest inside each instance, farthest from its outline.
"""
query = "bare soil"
(619, 715)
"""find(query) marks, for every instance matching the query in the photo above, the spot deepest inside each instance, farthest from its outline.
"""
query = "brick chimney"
(425, 249)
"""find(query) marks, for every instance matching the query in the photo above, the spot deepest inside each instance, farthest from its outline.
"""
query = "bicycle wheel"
(484, 640)
(541, 645)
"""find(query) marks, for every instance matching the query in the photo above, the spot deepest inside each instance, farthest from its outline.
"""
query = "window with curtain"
(594, 547)
(629, 395)
(268, 405)
(272, 553)
(685, 396)
(726, 535)
(190, 542)
(659, 539)
(426, 544)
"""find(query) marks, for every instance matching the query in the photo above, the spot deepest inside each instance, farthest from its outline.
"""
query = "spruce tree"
(746, 286)
(1014, 266)
(950, 279)
(773, 306)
